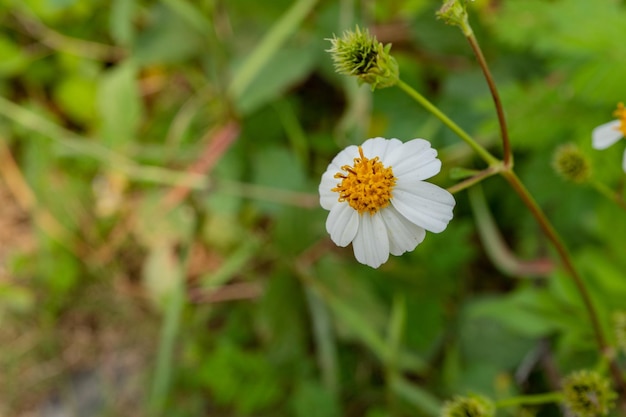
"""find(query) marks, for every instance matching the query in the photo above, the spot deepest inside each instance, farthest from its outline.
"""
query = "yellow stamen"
(366, 185)
(620, 113)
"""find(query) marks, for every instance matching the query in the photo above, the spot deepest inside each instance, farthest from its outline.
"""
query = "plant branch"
(548, 397)
(478, 148)
(568, 263)
(481, 175)
(504, 133)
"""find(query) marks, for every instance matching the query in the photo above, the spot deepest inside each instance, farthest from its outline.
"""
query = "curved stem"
(504, 133)
(548, 397)
(478, 148)
(568, 263)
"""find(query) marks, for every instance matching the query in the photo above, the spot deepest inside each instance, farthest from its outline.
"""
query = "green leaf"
(77, 97)
(524, 313)
(312, 400)
(119, 105)
(161, 273)
(121, 21)
(167, 39)
(276, 77)
(12, 59)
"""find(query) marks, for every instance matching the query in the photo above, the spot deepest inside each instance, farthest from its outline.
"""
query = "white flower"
(609, 133)
(378, 200)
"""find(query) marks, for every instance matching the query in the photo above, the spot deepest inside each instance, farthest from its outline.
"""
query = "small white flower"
(609, 133)
(378, 200)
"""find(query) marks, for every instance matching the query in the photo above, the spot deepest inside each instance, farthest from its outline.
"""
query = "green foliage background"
(233, 301)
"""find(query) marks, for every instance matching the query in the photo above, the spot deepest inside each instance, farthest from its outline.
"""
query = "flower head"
(472, 406)
(571, 164)
(588, 394)
(378, 199)
(609, 133)
(360, 54)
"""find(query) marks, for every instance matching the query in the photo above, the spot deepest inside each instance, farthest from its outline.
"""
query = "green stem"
(504, 133)
(568, 263)
(485, 173)
(170, 328)
(548, 397)
(608, 193)
(478, 148)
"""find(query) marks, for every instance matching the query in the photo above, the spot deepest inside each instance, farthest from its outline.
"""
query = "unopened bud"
(471, 406)
(571, 164)
(360, 54)
(588, 394)
(454, 12)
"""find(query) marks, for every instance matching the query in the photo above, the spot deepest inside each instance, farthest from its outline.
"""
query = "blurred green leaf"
(313, 400)
(244, 380)
(167, 39)
(120, 105)
(276, 77)
(77, 97)
(121, 21)
(12, 59)
(161, 273)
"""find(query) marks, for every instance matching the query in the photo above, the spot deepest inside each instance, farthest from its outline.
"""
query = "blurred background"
(162, 251)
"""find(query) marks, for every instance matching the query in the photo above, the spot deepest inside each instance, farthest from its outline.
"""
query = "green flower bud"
(471, 406)
(360, 54)
(454, 12)
(571, 164)
(588, 394)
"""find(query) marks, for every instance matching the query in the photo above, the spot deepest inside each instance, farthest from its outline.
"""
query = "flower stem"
(485, 173)
(611, 195)
(504, 133)
(478, 148)
(548, 397)
(568, 263)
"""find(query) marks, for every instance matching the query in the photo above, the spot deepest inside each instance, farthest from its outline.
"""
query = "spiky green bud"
(571, 164)
(470, 406)
(454, 12)
(588, 394)
(359, 54)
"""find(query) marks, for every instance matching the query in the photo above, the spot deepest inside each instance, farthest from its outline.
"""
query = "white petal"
(328, 198)
(624, 161)
(371, 244)
(342, 224)
(605, 135)
(379, 147)
(346, 157)
(424, 204)
(415, 159)
(404, 236)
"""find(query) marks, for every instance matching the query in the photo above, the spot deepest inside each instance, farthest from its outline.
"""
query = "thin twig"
(568, 263)
(504, 133)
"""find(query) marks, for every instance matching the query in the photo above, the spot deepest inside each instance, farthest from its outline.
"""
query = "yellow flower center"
(366, 185)
(620, 113)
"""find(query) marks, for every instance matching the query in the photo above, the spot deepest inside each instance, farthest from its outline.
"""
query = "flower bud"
(471, 406)
(571, 164)
(454, 12)
(588, 394)
(360, 54)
